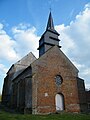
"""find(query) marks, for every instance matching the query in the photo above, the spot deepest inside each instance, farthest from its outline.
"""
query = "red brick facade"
(44, 70)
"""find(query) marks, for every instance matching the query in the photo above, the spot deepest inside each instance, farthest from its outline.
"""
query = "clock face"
(58, 80)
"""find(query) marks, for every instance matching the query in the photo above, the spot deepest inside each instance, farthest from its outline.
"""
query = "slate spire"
(49, 38)
(50, 25)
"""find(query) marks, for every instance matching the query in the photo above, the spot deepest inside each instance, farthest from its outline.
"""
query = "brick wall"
(53, 63)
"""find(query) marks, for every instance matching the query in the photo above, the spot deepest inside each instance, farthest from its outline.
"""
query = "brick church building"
(48, 84)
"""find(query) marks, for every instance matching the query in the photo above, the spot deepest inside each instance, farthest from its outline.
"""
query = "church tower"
(49, 38)
(49, 84)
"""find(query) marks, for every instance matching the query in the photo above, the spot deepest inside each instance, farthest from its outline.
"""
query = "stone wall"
(88, 100)
(82, 95)
(23, 94)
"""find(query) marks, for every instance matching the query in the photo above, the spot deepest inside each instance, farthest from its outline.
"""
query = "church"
(49, 84)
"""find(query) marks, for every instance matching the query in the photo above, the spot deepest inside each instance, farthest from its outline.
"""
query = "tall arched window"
(59, 102)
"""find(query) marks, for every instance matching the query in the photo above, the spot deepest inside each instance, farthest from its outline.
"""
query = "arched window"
(59, 102)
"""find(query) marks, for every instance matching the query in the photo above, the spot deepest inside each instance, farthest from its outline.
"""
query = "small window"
(88, 105)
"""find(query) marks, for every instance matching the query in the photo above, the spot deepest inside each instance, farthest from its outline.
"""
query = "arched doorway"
(59, 102)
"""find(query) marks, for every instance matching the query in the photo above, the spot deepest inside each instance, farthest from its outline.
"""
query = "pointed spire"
(50, 24)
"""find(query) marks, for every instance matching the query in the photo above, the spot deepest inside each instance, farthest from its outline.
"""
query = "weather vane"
(50, 9)
(50, 5)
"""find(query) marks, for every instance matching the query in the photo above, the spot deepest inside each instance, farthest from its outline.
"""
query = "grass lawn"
(9, 116)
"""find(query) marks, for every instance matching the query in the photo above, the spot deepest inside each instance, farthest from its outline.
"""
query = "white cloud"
(1, 26)
(7, 51)
(7, 48)
(1, 29)
(66, 40)
(3, 69)
(87, 85)
(75, 41)
(86, 72)
(26, 39)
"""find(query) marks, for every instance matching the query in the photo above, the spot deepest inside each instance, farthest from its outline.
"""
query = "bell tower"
(49, 38)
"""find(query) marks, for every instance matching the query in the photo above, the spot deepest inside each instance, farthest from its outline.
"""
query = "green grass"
(8, 116)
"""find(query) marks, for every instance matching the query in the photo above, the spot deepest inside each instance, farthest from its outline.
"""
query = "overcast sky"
(22, 22)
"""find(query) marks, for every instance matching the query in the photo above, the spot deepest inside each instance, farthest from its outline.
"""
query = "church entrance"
(59, 102)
